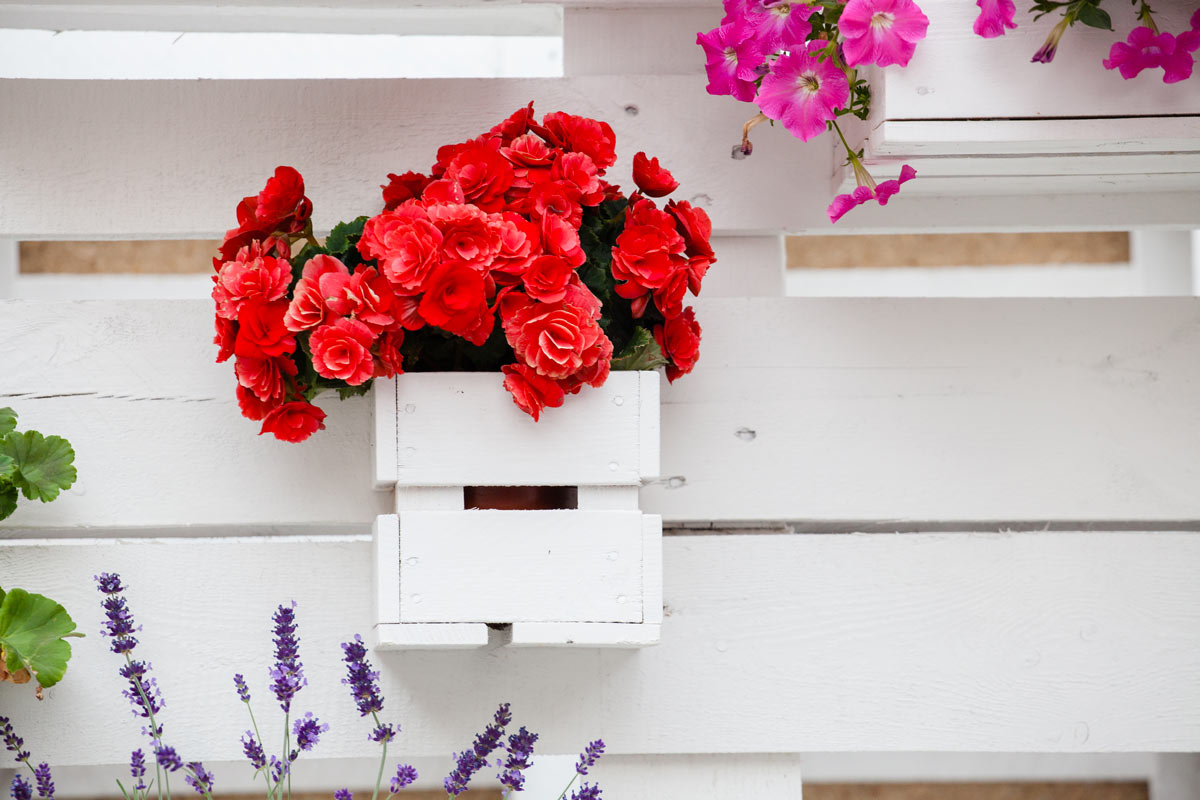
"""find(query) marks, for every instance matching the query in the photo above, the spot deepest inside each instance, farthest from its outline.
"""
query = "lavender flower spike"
(471, 761)
(307, 731)
(590, 755)
(588, 791)
(287, 676)
(167, 758)
(242, 689)
(254, 751)
(343, 794)
(363, 682)
(137, 768)
(198, 778)
(118, 625)
(21, 790)
(45, 783)
(12, 742)
(405, 776)
(520, 755)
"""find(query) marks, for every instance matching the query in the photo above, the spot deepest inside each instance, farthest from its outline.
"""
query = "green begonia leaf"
(642, 352)
(1095, 17)
(8, 421)
(344, 235)
(32, 634)
(45, 464)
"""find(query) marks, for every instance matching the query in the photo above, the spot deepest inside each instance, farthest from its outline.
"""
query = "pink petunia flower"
(1143, 49)
(1045, 53)
(779, 26)
(994, 17)
(882, 32)
(733, 54)
(803, 93)
(868, 191)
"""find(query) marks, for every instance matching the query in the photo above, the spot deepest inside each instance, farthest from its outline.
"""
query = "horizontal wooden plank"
(892, 412)
(953, 74)
(345, 137)
(1040, 642)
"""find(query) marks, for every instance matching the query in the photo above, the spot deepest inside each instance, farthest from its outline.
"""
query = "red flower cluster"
(488, 248)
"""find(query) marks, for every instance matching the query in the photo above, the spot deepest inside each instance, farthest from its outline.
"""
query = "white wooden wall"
(894, 525)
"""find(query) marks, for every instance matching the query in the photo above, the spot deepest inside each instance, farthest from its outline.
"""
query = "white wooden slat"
(747, 266)
(463, 429)
(296, 16)
(1176, 777)
(952, 74)
(584, 634)
(884, 411)
(78, 286)
(385, 565)
(1038, 642)
(344, 137)
(1060, 280)
(982, 767)
(10, 265)
(1163, 261)
(385, 439)
(652, 40)
(570, 566)
(997, 137)
(430, 636)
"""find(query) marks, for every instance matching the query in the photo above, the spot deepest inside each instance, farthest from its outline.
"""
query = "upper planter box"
(587, 561)
(975, 116)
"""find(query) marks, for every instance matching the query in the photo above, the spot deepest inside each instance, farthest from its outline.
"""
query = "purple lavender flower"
(242, 689)
(279, 769)
(343, 794)
(137, 768)
(590, 755)
(167, 758)
(254, 751)
(308, 730)
(471, 761)
(21, 790)
(287, 676)
(520, 755)
(384, 732)
(45, 783)
(198, 778)
(587, 791)
(405, 776)
(12, 742)
(363, 682)
(143, 694)
(119, 625)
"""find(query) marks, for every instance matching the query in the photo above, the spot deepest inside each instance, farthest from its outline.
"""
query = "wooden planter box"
(588, 573)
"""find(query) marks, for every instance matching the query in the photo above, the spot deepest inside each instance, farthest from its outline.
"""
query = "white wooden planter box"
(589, 575)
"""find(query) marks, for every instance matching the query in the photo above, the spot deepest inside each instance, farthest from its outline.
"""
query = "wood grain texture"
(1045, 642)
(891, 412)
(977, 791)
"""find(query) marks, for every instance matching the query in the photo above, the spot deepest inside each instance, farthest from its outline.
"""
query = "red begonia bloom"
(293, 422)
(341, 350)
(652, 179)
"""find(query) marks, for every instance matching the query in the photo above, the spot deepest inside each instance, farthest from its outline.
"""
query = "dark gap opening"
(521, 498)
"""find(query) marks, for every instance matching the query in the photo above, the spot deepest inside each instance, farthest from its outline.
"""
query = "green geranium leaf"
(642, 352)
(8, 500)
(344, 235)
(8, 421)
(1094, 17)
(45, 464)
(8, 468)
(33, 629)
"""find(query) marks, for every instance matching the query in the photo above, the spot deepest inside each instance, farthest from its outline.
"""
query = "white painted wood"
(1008, 137)
(1048, 642)
(608, 498)
(889, 412)
(652, 571)
(520, 566)
(10, 266)
(696, 777)
(67, 286)
(1176, 777)
(385, 440)
(385, 567)
(384, 126)
(584, 634)
(430, 636)
(636, 41)
(1163, 260)
(981, 767)
(649, 399)
(463, 429)
(430, 498)
(953, 73)
(747, 266)
(1060, 280)
(482, 19)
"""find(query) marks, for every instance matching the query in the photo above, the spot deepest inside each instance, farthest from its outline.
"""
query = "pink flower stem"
(1146, 17)
(757, 119)
(861, 176)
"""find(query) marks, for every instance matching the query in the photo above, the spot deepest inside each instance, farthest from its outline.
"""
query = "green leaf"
(8, 421)
(45, 464)
(8, 468)
(642, 352)
(346, 392)
(344, 236)
(8, 500)
(1094, 17)
(32, 633)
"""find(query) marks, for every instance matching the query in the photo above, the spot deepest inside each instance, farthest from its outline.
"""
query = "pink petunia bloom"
(803, 93)
(1177, 63)
(1143, 49)
(779, 26)
(994, 17)
(733, 54)
(1045, 53)
(882, 32)
(864, 193)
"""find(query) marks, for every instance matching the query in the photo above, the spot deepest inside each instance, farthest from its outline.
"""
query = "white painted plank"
(695, 777)
(636, 41)
(570, 566)
(10, 266)
(1039, 642)
(944, 79)
(430, 636)
(385, 566)
(131, 140)
(889, 411)
(385, 438)
(649, 401)
(463, 429)
(73, 286)
(1163, 261)
(1044, 280)
(652, 570)
(982, 767)
(1176, 777)
(584, 634)
(295, 16)
(911, 138)
(747, 266)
